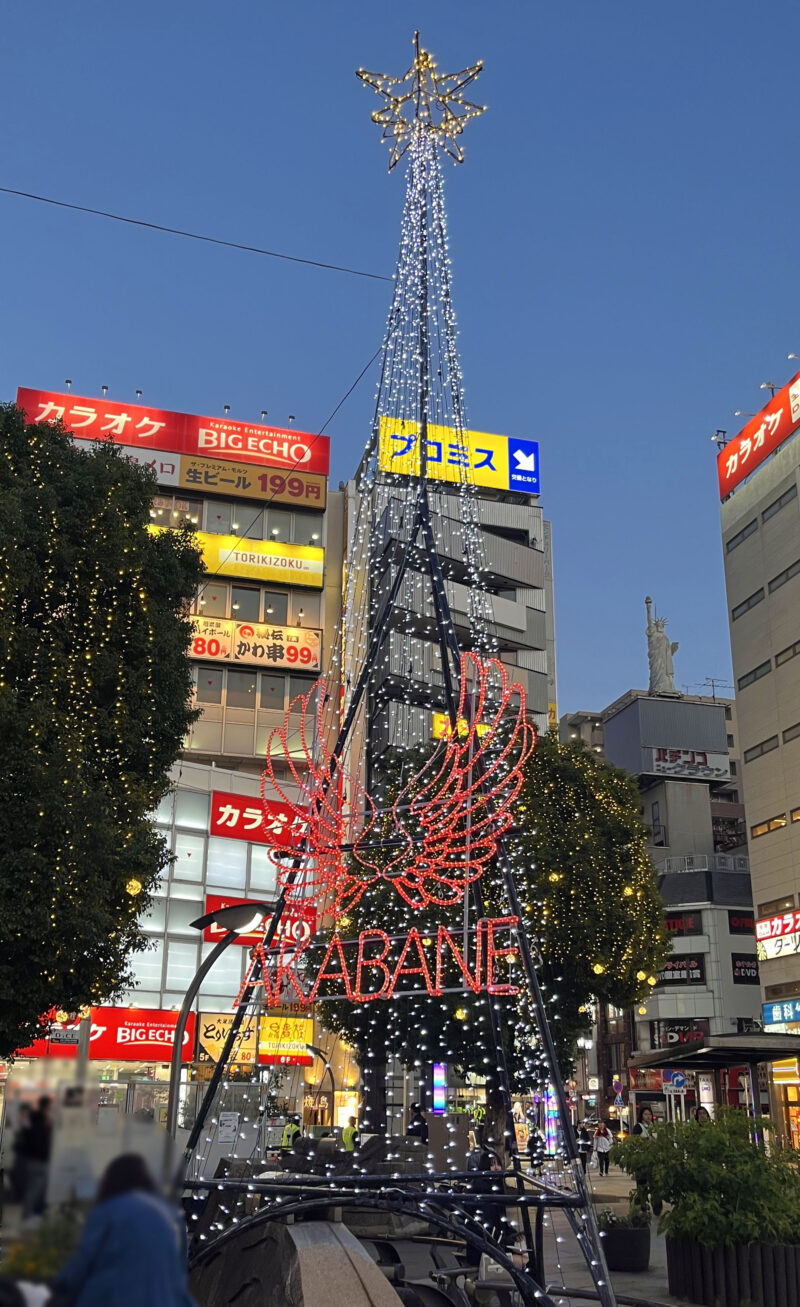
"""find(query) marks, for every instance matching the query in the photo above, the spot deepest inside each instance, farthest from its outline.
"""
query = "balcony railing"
(706, 862)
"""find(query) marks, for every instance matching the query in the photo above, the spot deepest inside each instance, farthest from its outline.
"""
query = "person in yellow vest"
(291, 1134)
(350, 1135)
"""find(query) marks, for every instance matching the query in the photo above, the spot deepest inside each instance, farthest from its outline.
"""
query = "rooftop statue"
(659, 653)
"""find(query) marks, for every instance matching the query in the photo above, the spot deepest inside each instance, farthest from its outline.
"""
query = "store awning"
(716, 1052)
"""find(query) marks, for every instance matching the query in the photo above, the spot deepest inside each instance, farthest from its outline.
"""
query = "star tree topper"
(423, 100)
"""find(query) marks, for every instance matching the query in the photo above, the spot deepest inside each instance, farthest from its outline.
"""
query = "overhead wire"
(193, 235)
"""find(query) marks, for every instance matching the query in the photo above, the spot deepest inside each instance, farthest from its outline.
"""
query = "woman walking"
(602, 1146)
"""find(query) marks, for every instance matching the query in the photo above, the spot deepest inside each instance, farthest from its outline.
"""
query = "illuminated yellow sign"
(473, 457)
(260, 560)
(440, 726)
(284, 1040)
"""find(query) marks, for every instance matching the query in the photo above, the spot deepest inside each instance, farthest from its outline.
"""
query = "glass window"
(791, 733)
(263, 872)
(212, 600)
(218, 518)
(741, 535)
(180, 889)
(733, 766)
(787, 654)
(209, 684)
(766, 746)
(227, 863)
(278, 525)
(305, 609)
(225, 976)
(728, 713)
(245, 603)
(273, 691)
(276, 608)
(189, 850)
(784, 576)
(191, 809)
(182, 912)
(181, 965)
(299, 685)
(781, 502)
(251, 523)
(308, 529)
(164, 810)
(795, 814)
(147, 966)
(749, 678)
(771, 824)
(241, 689)
(775, 905)
(747, 604)
(153, 922)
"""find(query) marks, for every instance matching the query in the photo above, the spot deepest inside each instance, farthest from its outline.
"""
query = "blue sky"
(624, 238)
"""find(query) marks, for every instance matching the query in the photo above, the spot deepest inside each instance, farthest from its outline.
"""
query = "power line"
(193, 235)
(265, 502)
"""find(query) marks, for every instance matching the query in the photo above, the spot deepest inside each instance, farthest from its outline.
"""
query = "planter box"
(763, 1274)
(627, 1249)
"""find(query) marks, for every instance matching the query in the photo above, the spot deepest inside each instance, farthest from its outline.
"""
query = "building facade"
(682, 751)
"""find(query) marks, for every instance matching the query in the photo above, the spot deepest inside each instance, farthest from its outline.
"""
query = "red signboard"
(237, 817)
(759, 438)
(296, 926)
(123, 1034)
(786, 923)
(179, 433)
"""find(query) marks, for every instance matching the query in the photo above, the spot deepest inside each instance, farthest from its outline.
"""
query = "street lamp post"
(236, 920)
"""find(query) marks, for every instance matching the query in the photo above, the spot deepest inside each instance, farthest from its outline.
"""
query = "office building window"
(766, 746)
(278, 525)
(276, 607)
(785, 655)
(741, 535)
(212, 600)
(791, 733)
(795, 814)
(778, 504)
(756, 674)
(747, 604)
(191, 809)
(766, 827)
(773, 906)
(728, 713)
(246, 603)
(208, 681)
(240, 691)
(784, 576)
(733, 766)
(273, 691)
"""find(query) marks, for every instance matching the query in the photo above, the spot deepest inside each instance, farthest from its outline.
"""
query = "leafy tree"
(94, 704)
(591, 907)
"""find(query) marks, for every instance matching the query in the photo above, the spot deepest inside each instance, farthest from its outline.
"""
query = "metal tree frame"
(425, 110)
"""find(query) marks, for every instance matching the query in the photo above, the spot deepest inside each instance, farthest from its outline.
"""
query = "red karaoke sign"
(760, 438)
(143, 427)
(237, 817)
(297, 925)
(120, 1034)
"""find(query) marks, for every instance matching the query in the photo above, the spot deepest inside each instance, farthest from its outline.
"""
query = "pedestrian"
(602, 1146)
(644, 1122)
(133, 1249)
(292, 1134)
(584, 1147)
(350, 1135)
(418, 1125)
(18, 1164)
(35, 1148)
(702, 1115)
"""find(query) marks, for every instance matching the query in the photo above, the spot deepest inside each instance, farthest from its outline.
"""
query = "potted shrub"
(626, 1234)
(733, 1221)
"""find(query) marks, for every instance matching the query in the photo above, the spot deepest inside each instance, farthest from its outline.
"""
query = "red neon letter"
(335, 945)
(364, 964)
(474, 982)
(490, 925)
(257, 955)
(422, 970)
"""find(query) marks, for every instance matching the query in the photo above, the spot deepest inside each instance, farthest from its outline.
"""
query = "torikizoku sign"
(476, 457)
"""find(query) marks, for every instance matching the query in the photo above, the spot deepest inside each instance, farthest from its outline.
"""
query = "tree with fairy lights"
(588, 890)
(95, 693)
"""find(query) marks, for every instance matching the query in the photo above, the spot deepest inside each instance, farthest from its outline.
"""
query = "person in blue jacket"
(133, 1249)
